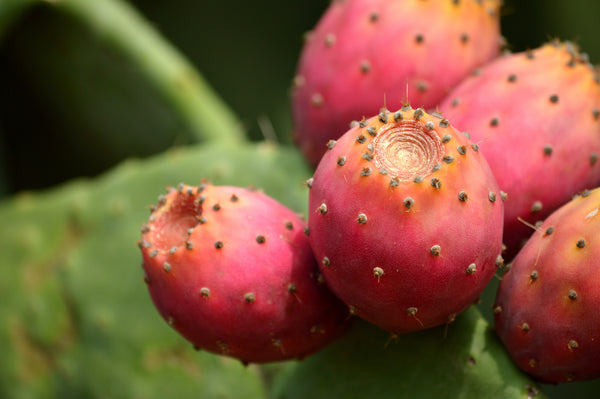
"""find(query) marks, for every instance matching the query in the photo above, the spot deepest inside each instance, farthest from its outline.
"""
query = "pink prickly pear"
(405, 220)
(536, 115)
(233, 272)
(547, 309)
(364, 51)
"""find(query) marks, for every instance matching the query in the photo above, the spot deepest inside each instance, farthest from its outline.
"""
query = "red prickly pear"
(536, 115)
(232, 271)
(405, 220)
(547, 310)
(363, 52)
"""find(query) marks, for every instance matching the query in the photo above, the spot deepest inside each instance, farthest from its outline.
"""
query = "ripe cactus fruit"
(232, 271)
(537, 117)
(363, 52)
(405, 220)
(547, 310)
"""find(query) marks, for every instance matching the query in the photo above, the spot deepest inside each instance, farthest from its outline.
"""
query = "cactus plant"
(462, 360)
(76, 320)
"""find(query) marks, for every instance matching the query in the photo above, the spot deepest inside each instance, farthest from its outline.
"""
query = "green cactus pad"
(76, 319)
(463, 360)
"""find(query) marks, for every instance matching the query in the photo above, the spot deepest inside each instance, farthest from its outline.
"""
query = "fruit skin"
(547, 310)
(536, 114)
(232, 271)
(365, 52)
(399, 251)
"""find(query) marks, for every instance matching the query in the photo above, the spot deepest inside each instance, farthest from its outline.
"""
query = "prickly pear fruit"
(232, 271)
(405, 220)
(537, 116)
(547, 310)
(365, 52)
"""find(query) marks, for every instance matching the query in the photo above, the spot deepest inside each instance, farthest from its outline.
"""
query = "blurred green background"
(247, 51)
